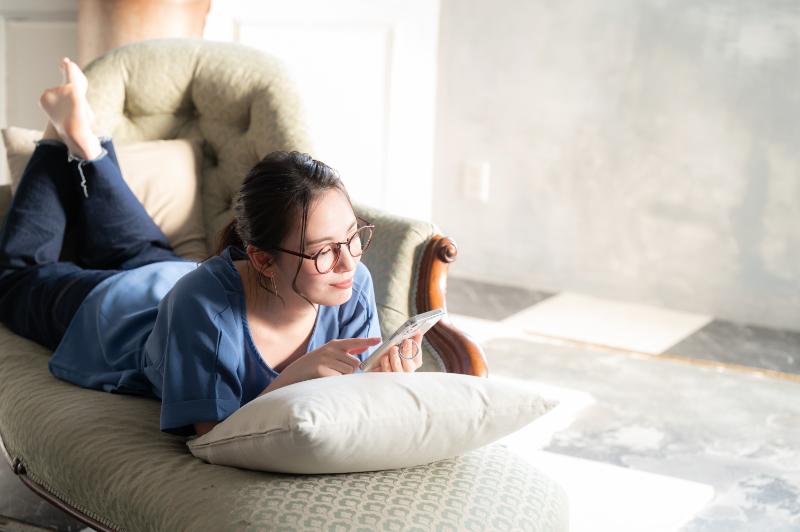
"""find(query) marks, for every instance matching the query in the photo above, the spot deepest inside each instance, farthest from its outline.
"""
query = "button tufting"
(18, 467)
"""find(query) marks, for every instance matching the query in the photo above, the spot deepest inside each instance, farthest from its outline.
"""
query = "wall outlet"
(475, 178)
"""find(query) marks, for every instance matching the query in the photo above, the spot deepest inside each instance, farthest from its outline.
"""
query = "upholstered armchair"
(102, 458)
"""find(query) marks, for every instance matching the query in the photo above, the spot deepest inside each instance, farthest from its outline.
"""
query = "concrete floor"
(668, 421)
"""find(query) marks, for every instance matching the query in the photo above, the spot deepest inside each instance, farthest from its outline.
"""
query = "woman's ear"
(260, 258)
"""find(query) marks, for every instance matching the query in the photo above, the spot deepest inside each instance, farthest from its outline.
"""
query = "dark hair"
(272, 194)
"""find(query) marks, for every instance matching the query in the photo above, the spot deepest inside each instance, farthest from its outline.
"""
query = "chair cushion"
(162, 174)
(368, 422)
(104, 454)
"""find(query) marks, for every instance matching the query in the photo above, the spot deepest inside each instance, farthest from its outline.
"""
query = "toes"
(63, 68)
(75, 75)
(69, 70)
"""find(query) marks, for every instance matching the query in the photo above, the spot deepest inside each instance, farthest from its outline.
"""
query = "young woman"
(284, 299)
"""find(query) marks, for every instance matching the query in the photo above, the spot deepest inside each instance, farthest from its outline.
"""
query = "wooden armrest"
(407, 253)
(459, 352)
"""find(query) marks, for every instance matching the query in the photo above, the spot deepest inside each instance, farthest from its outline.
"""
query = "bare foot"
(69, 112)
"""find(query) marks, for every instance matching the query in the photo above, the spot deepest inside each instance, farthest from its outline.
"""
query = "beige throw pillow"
(162, 174)
(369, 422)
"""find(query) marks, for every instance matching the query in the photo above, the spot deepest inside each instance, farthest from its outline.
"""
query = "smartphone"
(419, 323)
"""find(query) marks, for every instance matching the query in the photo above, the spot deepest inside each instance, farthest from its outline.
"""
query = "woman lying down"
(285, 298)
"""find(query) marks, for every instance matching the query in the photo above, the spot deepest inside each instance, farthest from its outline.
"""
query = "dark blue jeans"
(42, 282)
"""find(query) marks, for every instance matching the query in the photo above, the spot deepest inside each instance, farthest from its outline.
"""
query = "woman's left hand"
(392, 361)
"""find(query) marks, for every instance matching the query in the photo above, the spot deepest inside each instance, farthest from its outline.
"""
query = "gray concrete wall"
(641, 150)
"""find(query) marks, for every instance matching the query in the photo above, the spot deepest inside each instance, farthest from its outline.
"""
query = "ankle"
(50, 132)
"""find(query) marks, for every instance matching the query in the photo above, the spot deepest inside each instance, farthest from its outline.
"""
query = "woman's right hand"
(333, 358)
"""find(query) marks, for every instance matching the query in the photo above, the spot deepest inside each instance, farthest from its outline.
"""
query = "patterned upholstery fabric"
(103, 454)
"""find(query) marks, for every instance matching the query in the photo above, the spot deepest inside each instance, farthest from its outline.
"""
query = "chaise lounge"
(102, 458)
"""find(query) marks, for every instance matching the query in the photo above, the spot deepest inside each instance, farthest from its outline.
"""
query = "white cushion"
(369, 422)
(162, 174)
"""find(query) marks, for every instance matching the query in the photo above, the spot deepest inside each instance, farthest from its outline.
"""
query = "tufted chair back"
(240, 104)
(235, 99)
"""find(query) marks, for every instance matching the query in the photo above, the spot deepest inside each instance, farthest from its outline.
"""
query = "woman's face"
(330, 219)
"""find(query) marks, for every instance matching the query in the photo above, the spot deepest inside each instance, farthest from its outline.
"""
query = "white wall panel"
(33, 51)
(346, 101)
(34, 35)
(366, 72)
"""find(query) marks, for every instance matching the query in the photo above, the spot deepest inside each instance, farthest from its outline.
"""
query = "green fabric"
(104, 453)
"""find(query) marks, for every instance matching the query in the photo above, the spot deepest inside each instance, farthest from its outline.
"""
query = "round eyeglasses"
(326, 258)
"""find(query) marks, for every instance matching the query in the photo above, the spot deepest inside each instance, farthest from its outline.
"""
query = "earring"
(274, 288)
(262, 283)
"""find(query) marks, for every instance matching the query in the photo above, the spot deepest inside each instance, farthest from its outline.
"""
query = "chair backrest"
(237, 100)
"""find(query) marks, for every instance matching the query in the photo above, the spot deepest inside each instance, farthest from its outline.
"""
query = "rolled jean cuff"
(71, 156)
(50, 142)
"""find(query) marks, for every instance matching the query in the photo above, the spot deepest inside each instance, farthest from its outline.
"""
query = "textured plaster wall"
(642, 150)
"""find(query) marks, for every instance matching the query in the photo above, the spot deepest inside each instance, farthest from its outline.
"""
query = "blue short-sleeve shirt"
(177, 331)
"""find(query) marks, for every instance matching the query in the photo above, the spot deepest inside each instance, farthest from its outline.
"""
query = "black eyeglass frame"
(337, 246)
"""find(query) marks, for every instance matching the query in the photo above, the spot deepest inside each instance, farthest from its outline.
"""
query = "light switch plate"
(475, 177)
